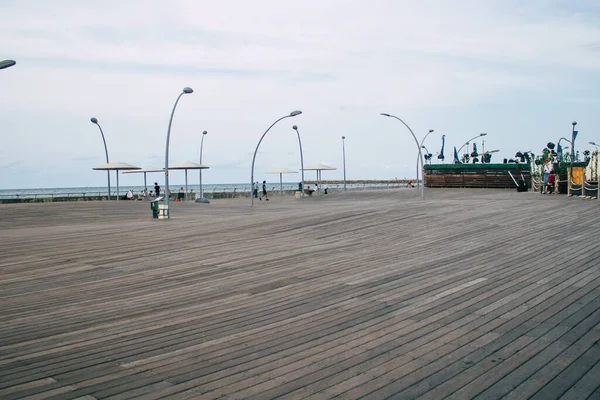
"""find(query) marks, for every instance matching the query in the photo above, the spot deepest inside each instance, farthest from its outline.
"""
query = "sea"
(91, 191)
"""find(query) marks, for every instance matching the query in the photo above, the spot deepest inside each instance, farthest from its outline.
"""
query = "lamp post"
(594, 144)
(422, 166)
(573, 136)
(95, 121)
(7, 64)
(186, 90)
(292, 114)
(344, 158)
(301, 159)
(204, 133)
(416, 142)
(469, 141)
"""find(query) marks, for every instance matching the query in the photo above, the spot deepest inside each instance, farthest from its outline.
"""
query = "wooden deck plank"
(365, 293)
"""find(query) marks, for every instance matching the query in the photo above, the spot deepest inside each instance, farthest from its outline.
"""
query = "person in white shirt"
(547, 170)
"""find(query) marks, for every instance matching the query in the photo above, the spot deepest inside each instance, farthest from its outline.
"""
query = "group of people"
(549, 178)
(264, 191)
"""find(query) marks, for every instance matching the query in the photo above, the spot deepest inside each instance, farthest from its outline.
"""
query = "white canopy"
(116, 166)
(111, 166)
(318, 167)
(187, 165)
(281, 171)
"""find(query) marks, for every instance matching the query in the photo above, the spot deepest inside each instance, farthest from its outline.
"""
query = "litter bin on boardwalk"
(163, 211)
(154, 207)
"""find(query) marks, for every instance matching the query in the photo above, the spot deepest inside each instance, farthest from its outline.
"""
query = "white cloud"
(461, 67)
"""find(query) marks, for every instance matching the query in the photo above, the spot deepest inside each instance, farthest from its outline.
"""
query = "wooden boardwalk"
(368, 294)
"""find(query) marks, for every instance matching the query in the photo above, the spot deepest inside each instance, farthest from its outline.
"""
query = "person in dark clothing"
(264, 191)
(156, 189)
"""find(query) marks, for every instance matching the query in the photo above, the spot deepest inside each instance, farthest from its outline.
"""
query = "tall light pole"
(186, 90)
(204, 133)
(422, 166)
(95, 121)
(301, 159)
(292, 114)
(416, 142)
(344, 157)
(573, 136)
(7, 64)
(469, 141)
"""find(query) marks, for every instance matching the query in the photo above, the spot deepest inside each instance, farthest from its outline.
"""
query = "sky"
(519, 70)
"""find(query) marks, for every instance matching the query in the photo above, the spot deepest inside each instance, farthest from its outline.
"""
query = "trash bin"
(154, 208)
(163, 211)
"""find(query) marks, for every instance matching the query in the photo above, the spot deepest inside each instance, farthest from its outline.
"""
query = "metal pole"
(201, 144)
(344, 158)
(95, 121)
(186, 186)
(281, 185)
(185, 91)
(422, 166)
(292, 114)
(572, 155)
(117, 171)
(416, 142)
(301, 159)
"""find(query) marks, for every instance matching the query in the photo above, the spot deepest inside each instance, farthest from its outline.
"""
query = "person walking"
(264, 191)
(255, 190)
(156, 189)
(325, 188)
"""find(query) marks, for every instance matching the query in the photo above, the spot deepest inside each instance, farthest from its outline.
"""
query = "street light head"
(431, 131)
(94, 120)
(294, 113)
(574, 123)
(385, 114)
(343, 137)
(295, 127)
(483, 134)
(204, 133)
(188, 90)
(7, 63)
(593, 143)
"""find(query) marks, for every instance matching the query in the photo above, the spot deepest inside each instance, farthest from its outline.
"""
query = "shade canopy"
(112, 166)
(318, 167)
(187, 165)
(144, 170)
(281, 171)
(116, 166)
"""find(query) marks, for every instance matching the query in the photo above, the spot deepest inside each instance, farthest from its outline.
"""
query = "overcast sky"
(521, 71)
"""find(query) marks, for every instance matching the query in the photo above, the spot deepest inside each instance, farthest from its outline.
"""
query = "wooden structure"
(494, 176)
(369, 294)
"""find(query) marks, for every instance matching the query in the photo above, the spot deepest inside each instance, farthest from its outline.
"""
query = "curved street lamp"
(95, 121)
(344, 155)
(469, 141)
(204, 133)
(186, 90)
(422, 166)
(416, 142)
(7, 64)
(301, 159)
(292, 114)
(594, 144)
